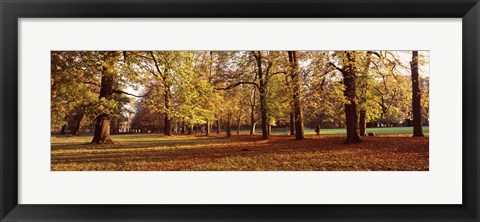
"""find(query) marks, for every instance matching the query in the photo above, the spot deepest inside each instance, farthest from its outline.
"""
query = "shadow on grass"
(183, 153)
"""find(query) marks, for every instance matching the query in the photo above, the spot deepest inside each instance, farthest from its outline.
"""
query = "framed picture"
(226, 110)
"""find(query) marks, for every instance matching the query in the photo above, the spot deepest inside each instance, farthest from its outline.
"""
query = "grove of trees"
(186, 92)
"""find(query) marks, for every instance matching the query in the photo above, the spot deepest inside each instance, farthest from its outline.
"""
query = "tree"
(365, 93)
(114, 74)
(349, 77)
(73, 96)
(263, 63)
(262, 89)
(292, 114)
(252, 99)
(164, 72)
(416, 97)
(102, 126)
(297, 106)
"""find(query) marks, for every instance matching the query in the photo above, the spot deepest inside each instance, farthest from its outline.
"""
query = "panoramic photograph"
(240, 110)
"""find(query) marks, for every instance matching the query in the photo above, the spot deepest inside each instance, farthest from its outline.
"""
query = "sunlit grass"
(146, 152)
(343, 131)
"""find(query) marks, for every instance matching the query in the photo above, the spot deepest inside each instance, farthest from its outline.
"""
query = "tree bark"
(253, 128)
(253, 122)
(416, 97)
(263, 97)
(292, 124)
(190, 129)
(78, 125)
(207, 126)
(102, 126)
(363, 101)
(297, 94)
(218, 125)
(350, 94)
(229, 130)
(239, 120)
(362, 123)
(64, 129)
(184, 127)
(167, 128)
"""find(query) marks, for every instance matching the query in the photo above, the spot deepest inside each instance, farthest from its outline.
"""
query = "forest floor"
(155, 152)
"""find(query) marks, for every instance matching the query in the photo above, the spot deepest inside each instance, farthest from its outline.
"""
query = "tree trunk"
(190, 129)
(297, 94)
(207, 125)
(416, 97)
(239, 120)
(102, 126)
(292, 124)
(362, 123)
(263, 97)
(252, 113)
(167, 128)
(175, 128)
(218, 125)
(78, 125)
(363, 100)
(229, 130)
(350, 94)
(102, 130)
(64, 129)
(253, 128)
(253, 123)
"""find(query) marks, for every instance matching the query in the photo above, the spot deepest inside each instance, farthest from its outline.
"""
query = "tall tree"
(349, 78)
(252, 101)
(102, 126)
(364, 82)
(164, 72)
(297, 104)
(262, 90)
(416, 97)
(291, 121)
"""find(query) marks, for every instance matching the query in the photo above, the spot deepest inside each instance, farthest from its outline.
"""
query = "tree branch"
(336, 67)
(92, 83)
(276, 73)
(156, 64)
(126, 93)
(237, 84)
(375, 53)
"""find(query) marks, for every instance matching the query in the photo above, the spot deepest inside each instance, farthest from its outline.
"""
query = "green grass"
(153, 138)
(342, 131)
(140, 140)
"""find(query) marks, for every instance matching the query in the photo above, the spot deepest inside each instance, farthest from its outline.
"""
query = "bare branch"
(237, 84)
(126, 93)
(336, 67)
(375, 53)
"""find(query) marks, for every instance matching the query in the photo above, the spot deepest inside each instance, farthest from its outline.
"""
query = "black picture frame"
(11, 11)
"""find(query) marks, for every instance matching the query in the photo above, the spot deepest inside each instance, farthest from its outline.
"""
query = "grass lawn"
(154, 152)
(343, 131)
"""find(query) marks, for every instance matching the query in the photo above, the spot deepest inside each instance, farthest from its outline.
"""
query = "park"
(240, 111)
